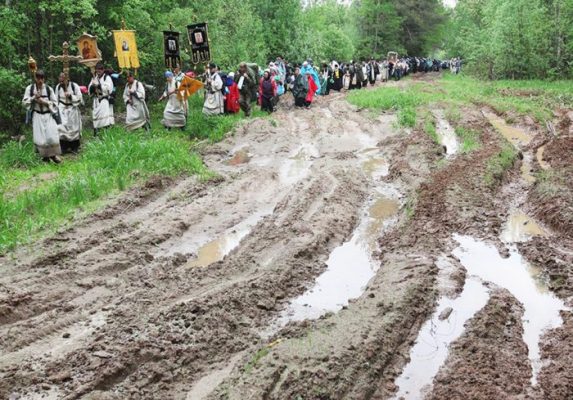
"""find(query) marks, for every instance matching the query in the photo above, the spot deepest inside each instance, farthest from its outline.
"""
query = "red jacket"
(232, 99)
(311, 89)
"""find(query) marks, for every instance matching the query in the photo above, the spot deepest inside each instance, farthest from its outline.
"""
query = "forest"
(514, 39)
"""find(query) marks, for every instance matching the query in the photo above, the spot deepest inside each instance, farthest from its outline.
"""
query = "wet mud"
(334, 256)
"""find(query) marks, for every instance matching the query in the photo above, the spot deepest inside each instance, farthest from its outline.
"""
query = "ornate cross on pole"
(65, 59)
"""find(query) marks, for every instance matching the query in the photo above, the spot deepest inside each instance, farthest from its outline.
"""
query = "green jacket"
(300, 87)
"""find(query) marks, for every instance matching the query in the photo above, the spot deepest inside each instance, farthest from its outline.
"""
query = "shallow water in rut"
(350, 266)
(541, 307)
(483, 263)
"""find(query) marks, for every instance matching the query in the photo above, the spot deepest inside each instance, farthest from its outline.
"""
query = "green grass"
(256, 358)
(499, 163)
(553, 182)
(39, 198)
(407, 117)
(469, 139)
(535, 98)
(430, 127)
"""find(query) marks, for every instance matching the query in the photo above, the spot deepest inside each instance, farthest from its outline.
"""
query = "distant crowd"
(56, 120)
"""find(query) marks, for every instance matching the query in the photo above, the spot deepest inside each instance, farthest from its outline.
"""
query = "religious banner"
(88, 51)
(199, 41)
(188, 87)
(126, 49)
(171, 49)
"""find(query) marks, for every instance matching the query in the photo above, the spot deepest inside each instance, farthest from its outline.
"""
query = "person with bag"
(300, 88)
(137, 114)
(101, 88)
(41, 103)
(267, 92)
(70, 99)
(246, 80)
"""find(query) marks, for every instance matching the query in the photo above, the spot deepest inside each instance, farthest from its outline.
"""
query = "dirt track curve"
(239, 287)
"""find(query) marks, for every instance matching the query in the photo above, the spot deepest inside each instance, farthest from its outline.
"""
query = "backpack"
(73, 88)
(30, 112)
(111, 97)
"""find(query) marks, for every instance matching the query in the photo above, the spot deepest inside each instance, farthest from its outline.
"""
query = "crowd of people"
(56, 118)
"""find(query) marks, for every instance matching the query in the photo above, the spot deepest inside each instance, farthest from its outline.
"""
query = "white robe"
(137, 114)
(346, 81)
(214, 101)
(71, 126)
(44, 127)
(175, 113)
(102, 111)
(384, 72)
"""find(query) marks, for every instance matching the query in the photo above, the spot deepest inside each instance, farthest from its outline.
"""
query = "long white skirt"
(46, 135)
(136, 115)
(214, 104)
(174, 115)
(102, 113)
(71, 127)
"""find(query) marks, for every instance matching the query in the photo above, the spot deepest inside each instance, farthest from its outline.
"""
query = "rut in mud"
(334, 256)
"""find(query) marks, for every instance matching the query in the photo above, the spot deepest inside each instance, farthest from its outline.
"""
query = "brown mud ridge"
(306, 270)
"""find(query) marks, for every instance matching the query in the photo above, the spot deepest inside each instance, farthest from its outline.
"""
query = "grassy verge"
(38, 198)
(535, 98)
(429, 122)
(499, 163)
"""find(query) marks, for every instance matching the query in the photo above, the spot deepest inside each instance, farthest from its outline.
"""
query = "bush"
(12, 113)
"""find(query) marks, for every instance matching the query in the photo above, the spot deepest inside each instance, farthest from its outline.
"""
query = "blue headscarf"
(308, 69)
(168, 74)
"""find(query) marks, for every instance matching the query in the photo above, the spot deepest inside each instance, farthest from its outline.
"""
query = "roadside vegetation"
(469, 139)
(535, 98)
(499, 163)
(38, 198)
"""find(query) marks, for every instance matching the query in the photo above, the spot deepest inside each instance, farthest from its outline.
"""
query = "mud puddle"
(349, 267)
(376, 167)
(432, 345)
(297, 166)
(520, 228)
(516, 275)
(447, 134)
(542, 163)
(241, 156)
(217, 249)
(515, 136)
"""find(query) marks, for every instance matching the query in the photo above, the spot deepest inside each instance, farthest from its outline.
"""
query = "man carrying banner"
(101, 88)
(134, 97)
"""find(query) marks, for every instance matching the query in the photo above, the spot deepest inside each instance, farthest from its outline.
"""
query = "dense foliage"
(514, 39)
(253, 30)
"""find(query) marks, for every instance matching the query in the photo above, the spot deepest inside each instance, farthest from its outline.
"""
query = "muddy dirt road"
(334, 256)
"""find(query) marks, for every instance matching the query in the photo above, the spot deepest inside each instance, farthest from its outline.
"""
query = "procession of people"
(55, 115)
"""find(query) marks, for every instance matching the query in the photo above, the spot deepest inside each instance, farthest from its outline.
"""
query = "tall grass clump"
(469, 139)
(106, 165)
(499, 163)
(39, 197)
